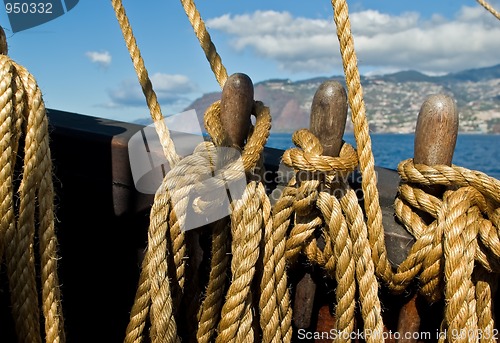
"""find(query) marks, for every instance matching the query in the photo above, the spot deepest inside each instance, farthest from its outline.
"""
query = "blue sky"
(82, 65)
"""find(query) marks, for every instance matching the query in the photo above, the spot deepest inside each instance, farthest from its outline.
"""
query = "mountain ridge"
(392, 100)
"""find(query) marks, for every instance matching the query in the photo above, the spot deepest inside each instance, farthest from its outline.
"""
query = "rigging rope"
(363, 140)
(440, 241)
(27, 208)
(463, 242)
(145, 82)
(206, 43)
(489, 8)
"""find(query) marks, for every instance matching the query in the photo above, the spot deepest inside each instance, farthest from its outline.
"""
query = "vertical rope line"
(365, 273)
(343, 264)
(51, 297)
(206, 43)
(248, 217)
(140, 309)
(269, 304)
(459, 264)
(210, 310)
(19, 251)
(145, 82)
(163, 325)
(7, 157)
(457, 285)
(20, 272)
(470, 235)
(276, 312)
(489, 8)
(154, 290)
(23, 114)
(178, 246)
(486, 285)
(363, 140)
(279, 240)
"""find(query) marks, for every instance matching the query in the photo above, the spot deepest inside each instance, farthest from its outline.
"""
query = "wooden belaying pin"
(327, 122)
(435, 140)
(329, 116)
(236, 108)
(436, 131)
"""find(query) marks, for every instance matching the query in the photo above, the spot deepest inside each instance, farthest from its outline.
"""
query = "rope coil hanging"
(154, 289)
(346, 256)
(27, 206)
(463, 241)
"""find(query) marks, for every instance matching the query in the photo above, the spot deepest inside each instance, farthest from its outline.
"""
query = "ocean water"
(473, 151)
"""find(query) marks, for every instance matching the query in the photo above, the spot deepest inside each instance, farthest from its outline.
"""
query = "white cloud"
(103, 59)
(382, 41)
(170, 89)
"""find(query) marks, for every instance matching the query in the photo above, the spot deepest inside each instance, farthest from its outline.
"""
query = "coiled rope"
(346, 256)
(27, 208)
(463, 241)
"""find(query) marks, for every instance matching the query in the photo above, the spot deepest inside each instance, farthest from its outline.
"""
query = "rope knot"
(200, 187)
(316, 173)
(308, 157)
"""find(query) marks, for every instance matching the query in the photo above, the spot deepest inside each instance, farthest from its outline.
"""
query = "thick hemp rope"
(154, 288)
(249, 217)
(363, 141)
(489, 8)
(346, 256)
(24, 120)
(275, 314)
(206, 43)
(463, 241)
(145, 82)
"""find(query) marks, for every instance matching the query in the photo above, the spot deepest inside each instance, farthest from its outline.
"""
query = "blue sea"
(473, 151)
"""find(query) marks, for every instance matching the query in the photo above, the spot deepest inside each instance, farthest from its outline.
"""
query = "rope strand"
(145, 82)
(23, 114)
(206, 43)
(363, 141)
(489, 8)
